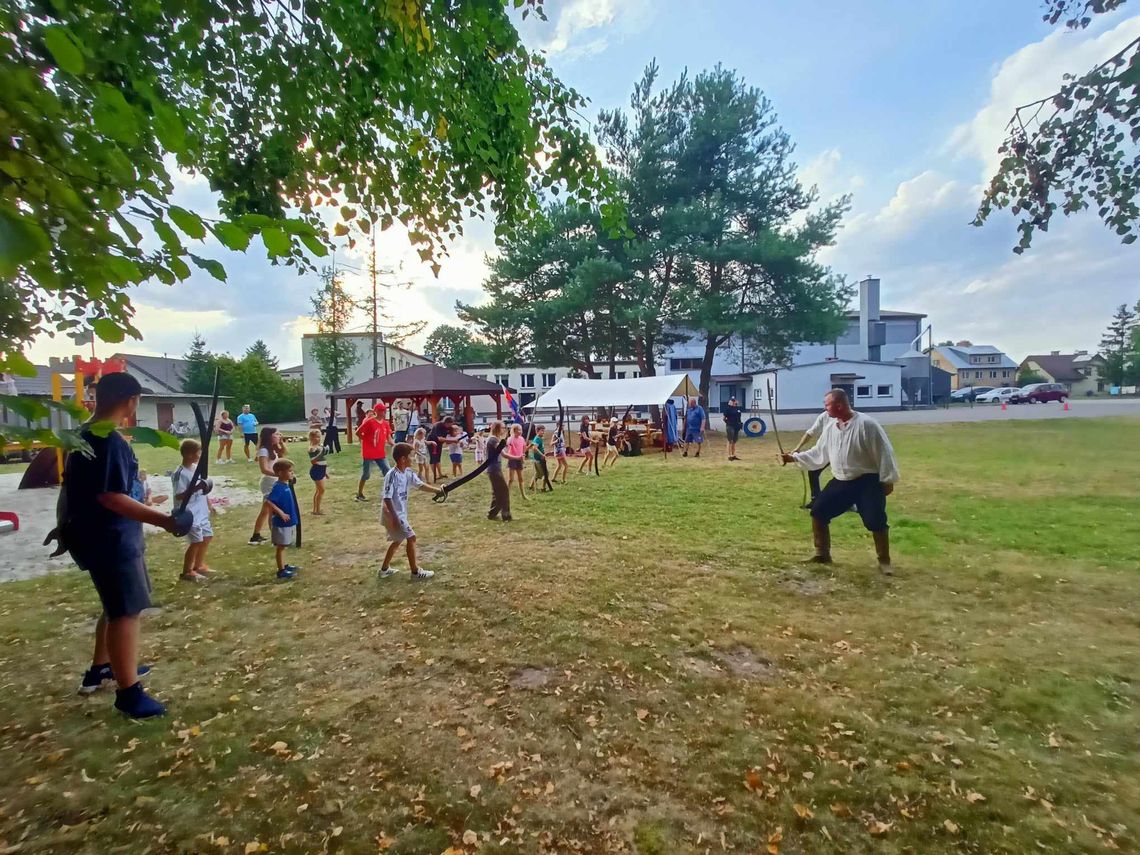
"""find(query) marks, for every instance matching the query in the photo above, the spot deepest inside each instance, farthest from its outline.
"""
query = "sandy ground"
(23, 555)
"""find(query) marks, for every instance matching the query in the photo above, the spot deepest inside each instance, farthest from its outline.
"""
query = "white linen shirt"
(853, 448)
(816, 429)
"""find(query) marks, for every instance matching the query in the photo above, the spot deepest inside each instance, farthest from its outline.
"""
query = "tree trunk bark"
(705, 383)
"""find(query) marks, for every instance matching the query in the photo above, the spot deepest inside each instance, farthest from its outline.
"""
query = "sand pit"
(23, 555)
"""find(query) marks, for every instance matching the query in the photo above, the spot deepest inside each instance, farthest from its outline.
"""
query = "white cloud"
(585, 27)
(827, 173)
(1032, 73)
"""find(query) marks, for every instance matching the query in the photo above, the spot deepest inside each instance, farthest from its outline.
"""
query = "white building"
(293, 372)
(388, 358)
(800, 388)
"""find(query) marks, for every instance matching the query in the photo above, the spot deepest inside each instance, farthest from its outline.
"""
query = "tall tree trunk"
(711, 344)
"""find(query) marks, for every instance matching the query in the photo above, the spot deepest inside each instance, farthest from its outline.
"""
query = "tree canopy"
(721, 242)
(260, 350)
(418, 112)
(334, 352)
(1076, 148)
(248, 380)
(1119, 345)
(452, 346)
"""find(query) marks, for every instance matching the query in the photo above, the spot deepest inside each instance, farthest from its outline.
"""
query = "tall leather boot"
(821, 536)
(883, 550)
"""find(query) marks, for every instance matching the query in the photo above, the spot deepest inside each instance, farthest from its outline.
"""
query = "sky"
(901, 104)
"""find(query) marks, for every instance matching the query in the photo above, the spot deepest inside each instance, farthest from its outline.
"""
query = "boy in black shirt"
(101, 526)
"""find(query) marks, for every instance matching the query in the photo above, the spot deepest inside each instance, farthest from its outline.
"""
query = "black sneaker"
(99, 677)
(136, 703)
(256, 539)
(286, 573)
(361, 498)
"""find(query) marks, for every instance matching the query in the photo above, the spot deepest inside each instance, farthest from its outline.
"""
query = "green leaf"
(26, 436)
(276, 242)
(108, 330)
(232, 236)
(27, 408)
(168, 235)
(214, 268)
(156, 438)
(188, 221)
(102, 429)
(72, 408)
(114, 117)
(123, 271)
(64, 49)
(132, 233)
(14, 362)
(20, 241)
(179, 268)
(316, 245)
(168, 128)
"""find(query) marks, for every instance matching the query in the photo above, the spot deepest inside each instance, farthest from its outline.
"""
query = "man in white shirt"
(813, 434)
(863, 463)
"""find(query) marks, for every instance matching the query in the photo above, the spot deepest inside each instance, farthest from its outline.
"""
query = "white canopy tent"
(636, 391)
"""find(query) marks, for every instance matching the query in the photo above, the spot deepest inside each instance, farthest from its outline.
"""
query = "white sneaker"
(421, 573)
(384, 574)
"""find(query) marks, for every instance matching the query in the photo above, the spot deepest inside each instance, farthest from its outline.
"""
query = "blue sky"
(901, 104)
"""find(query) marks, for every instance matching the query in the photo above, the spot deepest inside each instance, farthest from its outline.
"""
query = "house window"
(503, 379)
(621, 375)
(993, 375)
(883, 391)
(549, 380)
(687, 364)
(862, 391)
(526, 381)
(636, 373)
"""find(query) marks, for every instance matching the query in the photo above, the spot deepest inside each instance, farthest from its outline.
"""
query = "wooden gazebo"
(417, 384)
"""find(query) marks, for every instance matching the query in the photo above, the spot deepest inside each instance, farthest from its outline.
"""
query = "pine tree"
(260, 350)
(1117, 343)
(335, 353)
(198, 378)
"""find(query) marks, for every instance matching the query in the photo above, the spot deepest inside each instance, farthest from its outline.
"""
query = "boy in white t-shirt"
(397, 484)
(194, 567)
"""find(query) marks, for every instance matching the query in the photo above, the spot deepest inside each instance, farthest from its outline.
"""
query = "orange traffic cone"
(1066, 407)
(1003, 405)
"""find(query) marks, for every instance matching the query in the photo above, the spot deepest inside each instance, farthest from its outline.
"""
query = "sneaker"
(192, 576)
(361, 498)
(286, 573)
(256, 540)
(293, 568)
(99, 677)
(421, 574)
(385, 572)
(136, 703)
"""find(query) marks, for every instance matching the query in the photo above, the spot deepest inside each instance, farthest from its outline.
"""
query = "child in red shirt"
(375, 433)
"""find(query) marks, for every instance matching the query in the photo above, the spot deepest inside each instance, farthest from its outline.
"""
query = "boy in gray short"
(284, 514)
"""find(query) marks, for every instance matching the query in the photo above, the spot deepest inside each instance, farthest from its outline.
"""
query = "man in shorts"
(247, 421)
(102, 528)
(696, 423)
(732, 425)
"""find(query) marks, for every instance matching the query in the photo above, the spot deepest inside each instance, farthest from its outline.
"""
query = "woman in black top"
(225, 438)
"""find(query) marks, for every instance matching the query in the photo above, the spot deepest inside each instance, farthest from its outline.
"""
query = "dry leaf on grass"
(475, 791)
(841, 810)
(470, 838)
(753, 781)
(877, 828)
(975, 797)
(803, 811)
(950, 826)
(642, 714)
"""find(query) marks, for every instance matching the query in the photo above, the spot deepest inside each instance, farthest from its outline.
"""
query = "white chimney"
(868, 313)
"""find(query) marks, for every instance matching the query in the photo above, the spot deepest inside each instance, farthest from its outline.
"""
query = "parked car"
(969, 393)
(1001, 395)
(1040, 393)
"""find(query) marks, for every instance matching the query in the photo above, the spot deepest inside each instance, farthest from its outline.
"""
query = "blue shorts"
(694, 436)
(366, 468)
(457, 458)
(123, 585)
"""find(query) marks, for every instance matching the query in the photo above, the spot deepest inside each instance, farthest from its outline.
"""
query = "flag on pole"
(513, 404)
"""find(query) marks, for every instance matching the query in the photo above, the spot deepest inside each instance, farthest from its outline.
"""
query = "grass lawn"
(638, 663)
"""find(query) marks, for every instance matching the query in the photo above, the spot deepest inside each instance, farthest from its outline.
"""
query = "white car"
(1001, 395)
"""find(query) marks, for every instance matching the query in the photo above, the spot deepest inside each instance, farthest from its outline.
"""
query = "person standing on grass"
(515, 452)
(318, 469)
(455, 442)
(247, 421)
(813, 434)
(613, 437)
(397, 484)
(332, 432)
(537, 449)
(280, 505)
(225, 430)
(102, 528)
(314, 419)
(194, 567)
(865, 470)
(560, 453)
(269, 448)
(439, 431)
(696, 423)
(500, 489)
(374, 433)
(585, 444)
(400, 421)
(732, 425)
